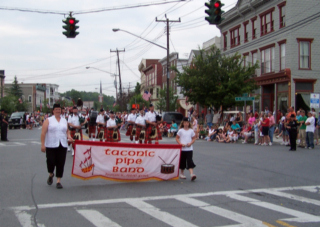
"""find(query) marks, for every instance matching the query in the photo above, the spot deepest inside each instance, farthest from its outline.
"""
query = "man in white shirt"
(152, 131)
(27, 121)
(131, 131)
(113, 134)
(140, 127)
(310, 123)
(101, 124)
(75, 121)
(216, 117)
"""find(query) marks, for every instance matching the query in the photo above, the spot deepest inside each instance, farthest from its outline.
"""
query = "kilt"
(129, 130)
(104, 129)
(138, 131)
(149, 130)
(109, 136)
(92, 131)
(72, 133)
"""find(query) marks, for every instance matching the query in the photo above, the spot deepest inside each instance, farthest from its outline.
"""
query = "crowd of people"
(261, 128)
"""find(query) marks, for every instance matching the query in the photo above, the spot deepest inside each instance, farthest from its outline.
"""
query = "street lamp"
(168, 74)
(111, 74)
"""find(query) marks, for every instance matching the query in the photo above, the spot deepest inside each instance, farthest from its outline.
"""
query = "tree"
(11, 103)
(137, 99)
(162, 103)
(15, 89)
(137, 89)
(216, 79)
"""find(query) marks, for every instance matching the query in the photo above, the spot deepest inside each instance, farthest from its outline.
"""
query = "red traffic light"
(217, 4)
(71, 21)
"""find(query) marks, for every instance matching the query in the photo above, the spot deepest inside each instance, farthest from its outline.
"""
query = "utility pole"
(119, 68)
(168, 53)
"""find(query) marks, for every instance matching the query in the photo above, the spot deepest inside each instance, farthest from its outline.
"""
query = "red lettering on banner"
(123, 169)
(132, 170)
(140, 170)
(131, 153)
(115, 152)
(152, 154)
(107, 152)
(123, 152)
(119, 160)
(115, 169)
(139, 161)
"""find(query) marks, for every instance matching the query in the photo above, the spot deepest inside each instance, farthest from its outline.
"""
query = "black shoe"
(50, 180)
(292, 150)
(59, 186)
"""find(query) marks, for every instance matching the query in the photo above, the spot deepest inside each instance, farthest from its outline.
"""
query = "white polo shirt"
(140, 120)
(150, 116)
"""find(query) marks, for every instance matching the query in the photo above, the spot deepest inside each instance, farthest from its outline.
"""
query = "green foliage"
(137, 89)
(162, 103)
(90, 96)
(11, 103)
(15, 89)
(137, 99)
(216, 79)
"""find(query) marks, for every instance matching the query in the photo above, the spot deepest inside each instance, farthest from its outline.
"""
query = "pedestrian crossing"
(242, 208)
(19, 143)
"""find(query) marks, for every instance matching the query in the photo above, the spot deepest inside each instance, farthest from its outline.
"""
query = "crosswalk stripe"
(35, 142)
(160, 215)
(97, 219)
(244, 220)
(17, 143)
(292, 196)
(299, 216)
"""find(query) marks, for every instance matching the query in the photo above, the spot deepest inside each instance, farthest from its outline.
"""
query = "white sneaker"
(72, 152)
(244, 142)
(182, 176)
(282, 143)
(193, 177)
(69, 149)
(270, 144)
(286, 143)
(255, 143)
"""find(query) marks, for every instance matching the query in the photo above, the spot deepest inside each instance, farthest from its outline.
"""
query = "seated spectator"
(213, 132)
(202, 132)
(247, 133)
(173, 129)
(232, 135)
(222, 138)
(235, 126)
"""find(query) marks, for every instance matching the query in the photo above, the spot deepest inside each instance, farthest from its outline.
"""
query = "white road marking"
(25, 219)
(20, 144)
(293, 197)
(244, 220)
(300, 216)
(35, 142)
(2, 144)
(160, 215)
(97, 219)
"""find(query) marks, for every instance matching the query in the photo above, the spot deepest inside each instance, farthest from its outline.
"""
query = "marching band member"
(101, 123)
(113, 134)
(131, 124)
(152, 131)
(92, 125)
(140, 127)
(63, 114)
(75, 121)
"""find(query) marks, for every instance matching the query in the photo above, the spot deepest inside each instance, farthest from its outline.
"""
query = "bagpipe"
(133, 131)
(115, 135)
(77, 135)
(154, 131)
(142, 135)
(106, 118)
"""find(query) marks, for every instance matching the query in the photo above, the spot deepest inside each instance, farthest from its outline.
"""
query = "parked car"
(16, 120)
(169, 116)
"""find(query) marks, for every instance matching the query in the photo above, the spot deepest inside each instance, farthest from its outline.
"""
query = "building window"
(225, 40)
(266, 20)
(246, 61)
(29, 98)
(157, 92)
(304, 53)
(282, 14)
(267, 60)
(246, 32)
(282, 50)
(254, 22)
(254, 59)
(235, 36)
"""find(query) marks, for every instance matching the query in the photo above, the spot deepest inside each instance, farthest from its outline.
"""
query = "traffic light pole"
(168, 55)
(119, 69)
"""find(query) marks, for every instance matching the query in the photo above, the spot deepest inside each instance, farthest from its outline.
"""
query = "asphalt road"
(237, 185)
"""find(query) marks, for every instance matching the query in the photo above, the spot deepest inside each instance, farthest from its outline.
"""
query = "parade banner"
(314, 101)
(126, 162)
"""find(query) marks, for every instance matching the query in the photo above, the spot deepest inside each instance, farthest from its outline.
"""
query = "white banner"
(126, 162)
(314, 101)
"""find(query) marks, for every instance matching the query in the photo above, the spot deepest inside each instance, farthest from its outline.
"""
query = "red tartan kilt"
(72, 133)
(148, 132)
(129, 130)
(138, 131)
(92, 130)
(109, 135)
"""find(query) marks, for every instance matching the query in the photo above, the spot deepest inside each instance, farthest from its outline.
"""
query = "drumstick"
(173, 158)
(162, 159)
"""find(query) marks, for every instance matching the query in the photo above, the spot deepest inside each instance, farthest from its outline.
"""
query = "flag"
(114, 104)
(20, 101)
(146, 95)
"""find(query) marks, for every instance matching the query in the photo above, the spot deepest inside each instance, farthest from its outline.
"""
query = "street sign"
(238, 99)
(245, 95)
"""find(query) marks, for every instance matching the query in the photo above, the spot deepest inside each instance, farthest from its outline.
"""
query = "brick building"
(283, 37)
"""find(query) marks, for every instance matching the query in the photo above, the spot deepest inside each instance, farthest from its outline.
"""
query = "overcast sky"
(34, 49)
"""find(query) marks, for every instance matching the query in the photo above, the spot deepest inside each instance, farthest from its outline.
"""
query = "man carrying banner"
(101, 124)
(113, 134)
(131, 131)
(75, 121)
(152, 131)
(140, 127)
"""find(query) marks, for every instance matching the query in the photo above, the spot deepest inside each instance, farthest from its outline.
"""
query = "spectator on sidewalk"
(302, 129)
(271, 127)
(208, 118)
(310, 131)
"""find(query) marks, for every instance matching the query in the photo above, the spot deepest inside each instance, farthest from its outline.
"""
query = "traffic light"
(214, 12)
(70, 27)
